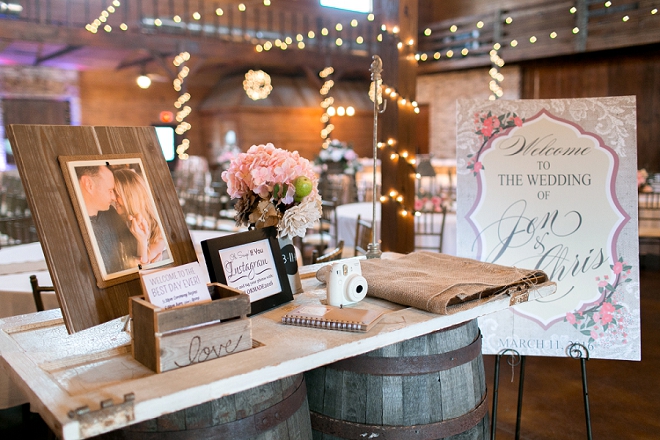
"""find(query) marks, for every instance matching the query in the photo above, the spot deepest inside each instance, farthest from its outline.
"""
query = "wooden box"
(167, 339)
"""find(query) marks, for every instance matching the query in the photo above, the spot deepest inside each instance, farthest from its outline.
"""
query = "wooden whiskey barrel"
(276, 410)
(430, 387)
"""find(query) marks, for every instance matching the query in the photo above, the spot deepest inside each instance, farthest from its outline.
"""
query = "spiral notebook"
(333, 318)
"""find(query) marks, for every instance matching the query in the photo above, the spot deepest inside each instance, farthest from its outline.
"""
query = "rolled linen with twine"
(444, 284)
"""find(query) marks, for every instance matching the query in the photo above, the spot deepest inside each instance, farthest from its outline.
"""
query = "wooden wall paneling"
(290, 129)
(634, 71)
(37, 148)
(293, 129)
(423, 129)
(639, 74)
(561, 79)
(36, 111)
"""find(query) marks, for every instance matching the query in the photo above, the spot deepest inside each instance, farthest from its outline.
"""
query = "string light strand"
(183, 110)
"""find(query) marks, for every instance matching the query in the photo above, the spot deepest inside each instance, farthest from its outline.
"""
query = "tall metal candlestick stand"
(373, 250)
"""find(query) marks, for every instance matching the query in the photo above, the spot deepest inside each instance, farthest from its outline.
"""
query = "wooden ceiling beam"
(312, 77)
(56, 54)
(135, 62)
(167, 67)
(214, 52)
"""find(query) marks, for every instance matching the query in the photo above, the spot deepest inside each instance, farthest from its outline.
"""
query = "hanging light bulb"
(143, 81)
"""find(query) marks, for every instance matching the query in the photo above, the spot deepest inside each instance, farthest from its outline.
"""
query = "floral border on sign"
(489, 126)
(607, 315)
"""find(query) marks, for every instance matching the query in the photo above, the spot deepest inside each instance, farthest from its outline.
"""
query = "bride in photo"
(134, 205)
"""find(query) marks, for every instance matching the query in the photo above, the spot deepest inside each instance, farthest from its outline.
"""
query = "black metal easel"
(575, 351)
(579, 351)
(514, 359)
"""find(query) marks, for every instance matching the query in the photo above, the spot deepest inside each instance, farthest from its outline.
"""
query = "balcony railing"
(538, 31)
(252, 22)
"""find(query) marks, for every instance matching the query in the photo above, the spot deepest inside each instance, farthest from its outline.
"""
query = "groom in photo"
(97, 185)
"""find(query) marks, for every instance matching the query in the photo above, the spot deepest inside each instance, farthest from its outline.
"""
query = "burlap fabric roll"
(444, 284)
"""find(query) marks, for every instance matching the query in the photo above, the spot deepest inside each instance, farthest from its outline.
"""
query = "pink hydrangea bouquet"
(275, 187)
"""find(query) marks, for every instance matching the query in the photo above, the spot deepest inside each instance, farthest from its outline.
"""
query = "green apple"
(303, 186)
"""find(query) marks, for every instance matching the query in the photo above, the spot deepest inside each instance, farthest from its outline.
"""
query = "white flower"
(297, 219)
(337, 155)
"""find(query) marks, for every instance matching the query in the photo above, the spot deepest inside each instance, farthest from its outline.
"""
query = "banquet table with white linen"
(347, 220)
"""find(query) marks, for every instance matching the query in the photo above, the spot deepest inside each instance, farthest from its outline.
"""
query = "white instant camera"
(346, 285)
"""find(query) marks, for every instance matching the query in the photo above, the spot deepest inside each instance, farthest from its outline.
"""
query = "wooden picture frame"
(250, 262)
(113, 201)
(37, 148)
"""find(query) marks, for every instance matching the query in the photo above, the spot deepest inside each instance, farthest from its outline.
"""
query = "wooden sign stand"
(37, 148)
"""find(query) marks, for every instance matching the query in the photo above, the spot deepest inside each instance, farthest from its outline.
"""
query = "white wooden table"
(60, 372)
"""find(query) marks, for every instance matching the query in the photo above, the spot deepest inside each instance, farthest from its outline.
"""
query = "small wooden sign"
(176, 286)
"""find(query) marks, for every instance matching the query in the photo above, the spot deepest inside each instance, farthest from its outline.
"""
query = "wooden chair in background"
(328, 220)
(364, 232)
(429, 230)
(36, 292)
(338, 187)
(325, 232)
(17, 230)
(333, 255)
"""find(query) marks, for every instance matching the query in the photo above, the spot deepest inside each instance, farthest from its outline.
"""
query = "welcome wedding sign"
(552, 185)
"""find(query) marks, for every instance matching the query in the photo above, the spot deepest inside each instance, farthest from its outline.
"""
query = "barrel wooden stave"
(202, 421)
(401, 400)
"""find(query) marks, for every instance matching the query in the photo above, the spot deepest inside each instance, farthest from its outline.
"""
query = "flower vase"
(334, 168)
(290, 263)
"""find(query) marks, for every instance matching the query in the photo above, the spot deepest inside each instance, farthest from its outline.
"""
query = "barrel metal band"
(247, 427)
(445, 428)
(410, 365)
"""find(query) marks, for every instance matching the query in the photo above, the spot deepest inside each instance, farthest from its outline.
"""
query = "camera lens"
(356, 288)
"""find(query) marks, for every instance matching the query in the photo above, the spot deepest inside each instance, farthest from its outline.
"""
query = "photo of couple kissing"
(123, 216)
